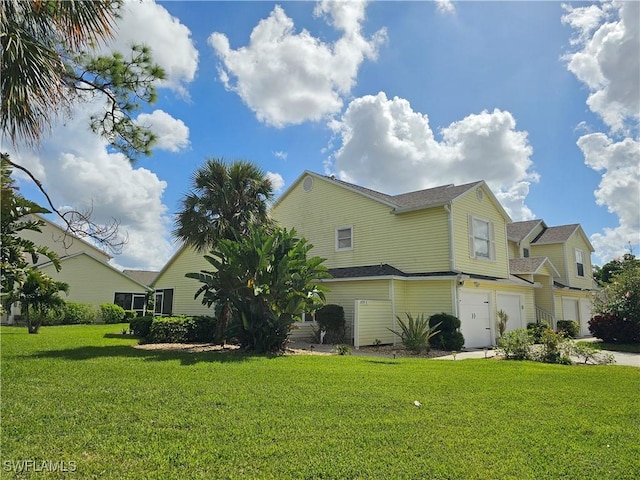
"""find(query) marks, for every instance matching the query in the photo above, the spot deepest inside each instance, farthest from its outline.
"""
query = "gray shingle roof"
(525, 265)
(555, 234)
(420, 198)
(144, 277)
(516, 231)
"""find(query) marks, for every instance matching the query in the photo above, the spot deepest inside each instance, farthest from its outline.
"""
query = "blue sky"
(539, 99)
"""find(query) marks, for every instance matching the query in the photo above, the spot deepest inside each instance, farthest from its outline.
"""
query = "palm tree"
(38, 39)
(225, 201)
(39, 295)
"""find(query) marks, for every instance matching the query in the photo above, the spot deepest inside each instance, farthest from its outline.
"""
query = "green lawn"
(78, 394)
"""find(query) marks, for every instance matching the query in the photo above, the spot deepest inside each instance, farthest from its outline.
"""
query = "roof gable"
(69, 258)
(518, 231)
(74, 238)
(530, 266)
(417, 200)
(561, 234)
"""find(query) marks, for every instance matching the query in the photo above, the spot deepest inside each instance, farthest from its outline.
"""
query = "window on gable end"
(481, 239)
(344, 238)
(525, 252)
(580, 263)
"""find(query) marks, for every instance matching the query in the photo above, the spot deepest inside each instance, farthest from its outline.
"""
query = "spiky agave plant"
(416, 333)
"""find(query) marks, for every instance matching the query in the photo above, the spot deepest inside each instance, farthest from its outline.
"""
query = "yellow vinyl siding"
(555, 253)
(514, 251)
(187, 260)
(375, 318)
(412, 242)
(484, 209)
(426, 297)
(586, 281)
(346, 293)
(91, 281)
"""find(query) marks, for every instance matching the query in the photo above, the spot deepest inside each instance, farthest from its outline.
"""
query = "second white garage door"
(475, 318)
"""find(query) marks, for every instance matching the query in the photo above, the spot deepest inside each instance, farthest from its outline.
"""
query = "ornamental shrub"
(111, 313)
(168, 330)
(130, 315)
(79, 313)
(536, 330)
(516, 344)
(141, 326)
(200, 329)
(569, 328)
(611, 328)
(555, 348)
(449, 336)
(330, 319)
(416, 333)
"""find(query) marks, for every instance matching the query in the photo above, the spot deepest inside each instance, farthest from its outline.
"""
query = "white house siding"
(186, 260)
(91, 281)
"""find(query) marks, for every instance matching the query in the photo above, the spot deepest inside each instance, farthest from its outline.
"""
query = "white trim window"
(579, 263)
(344, 238)
(481, 239)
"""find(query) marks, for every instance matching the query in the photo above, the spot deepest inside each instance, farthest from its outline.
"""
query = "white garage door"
(475, 318)
(570, 309)
(585, 316)
(512, 305)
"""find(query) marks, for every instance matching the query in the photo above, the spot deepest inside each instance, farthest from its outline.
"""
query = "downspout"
(392, 294)
(452, 262)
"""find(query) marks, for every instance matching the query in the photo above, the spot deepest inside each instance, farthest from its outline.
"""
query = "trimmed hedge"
(141, 326)
(449, 336)
(569, 328)
(73, 313)
(111, 313)
(178, 329)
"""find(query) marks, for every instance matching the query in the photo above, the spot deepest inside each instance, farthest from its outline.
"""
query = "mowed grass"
(77, 393)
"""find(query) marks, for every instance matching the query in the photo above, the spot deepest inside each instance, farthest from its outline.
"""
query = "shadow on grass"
(382, 362)
(128, 351)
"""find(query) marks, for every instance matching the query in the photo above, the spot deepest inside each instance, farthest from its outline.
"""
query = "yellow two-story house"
(449, 249)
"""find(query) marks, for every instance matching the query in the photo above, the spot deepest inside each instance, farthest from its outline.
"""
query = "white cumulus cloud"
(170, 41)
(77, 170)
(388, 146)
(445, 7)
(276, 181)
(289, 78)
(172, 134)
(606, 58)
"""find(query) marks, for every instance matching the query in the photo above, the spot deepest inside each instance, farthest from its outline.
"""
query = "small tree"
(619, 301)
(264, 280)
(501, 323)
(38, 296)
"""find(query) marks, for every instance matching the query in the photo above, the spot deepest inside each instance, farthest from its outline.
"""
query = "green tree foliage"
(618, 306)
(263, 281)
(47, 66)
(15, 251)
(39, 295)
(225, 201)
(604, 275)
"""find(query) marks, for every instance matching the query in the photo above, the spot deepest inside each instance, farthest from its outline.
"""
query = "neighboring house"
(559, 260)
(85, 269)
(174, 293)
(449, 249)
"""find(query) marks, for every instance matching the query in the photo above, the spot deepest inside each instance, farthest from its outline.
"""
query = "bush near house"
(330, 319)
(569, 328)
(73, 313)
(516, 344)
(199, 329)
(111, 313)
(536, 330)
(416, 333)
(449, 336)
(613, 328)
(141, 326)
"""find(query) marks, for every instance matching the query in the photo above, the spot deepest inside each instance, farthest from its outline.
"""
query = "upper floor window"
(525, 252)
(344, 238)
(481, 239)
(580, 263)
